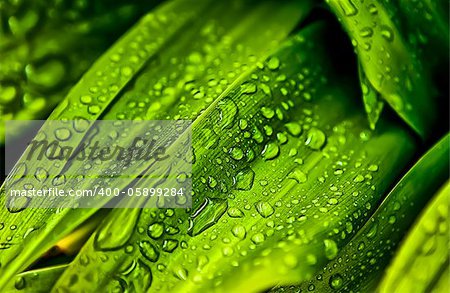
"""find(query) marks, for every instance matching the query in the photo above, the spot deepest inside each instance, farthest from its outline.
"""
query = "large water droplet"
(235, 212)
(273, 63)
(80, 124)
(373, 168)
(265, 209)
(348, 7)
(94, 109)
(271, 150)
(248, 88)
(86, 99)
(267, 112)
(239, 231)
(226, 113)
(373, 9)
(62, 134)
(126, 71)
(244, 179)
(18, 204)
(315, 139)
(298, 175)
(140, 278)
(207, 215)
(20, 283)
(373, 230)
(336, 282)
(155, 230)
(358, 178)
(41, 174)
(169, 245)
(294, 128)
(366, 33)
(236, 153)
(331, 249)
(59, 180)
(387, 33)
(258, 238)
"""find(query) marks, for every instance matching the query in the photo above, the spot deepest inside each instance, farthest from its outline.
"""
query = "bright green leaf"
(143, 60)
(291, 215)
(359, 265)
(426, 246)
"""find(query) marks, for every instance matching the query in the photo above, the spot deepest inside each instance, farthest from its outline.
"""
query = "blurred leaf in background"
(45, 47)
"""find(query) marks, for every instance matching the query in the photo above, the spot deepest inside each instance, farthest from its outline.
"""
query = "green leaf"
(155, 58)
(426, 246)
(278, 179)
(390, 63)
(42, 228)
(35, 281)
(361, 263)
(373, 103)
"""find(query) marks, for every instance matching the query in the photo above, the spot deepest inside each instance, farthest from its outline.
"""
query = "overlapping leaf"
(426, 246)
(391, 62)
(300, 181)
(161, 42)
(359, 265)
